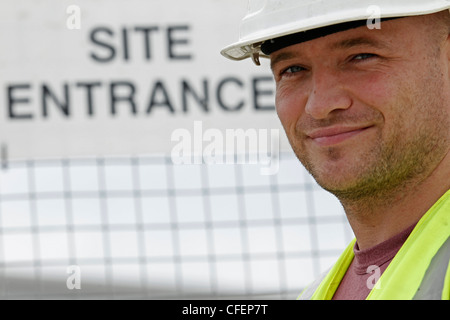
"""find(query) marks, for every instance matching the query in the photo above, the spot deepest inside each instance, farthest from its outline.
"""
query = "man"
(366, 107)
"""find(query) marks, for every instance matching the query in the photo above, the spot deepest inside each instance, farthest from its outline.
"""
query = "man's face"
(366, 110)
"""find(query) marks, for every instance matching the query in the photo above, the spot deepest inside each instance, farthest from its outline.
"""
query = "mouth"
(334, 135)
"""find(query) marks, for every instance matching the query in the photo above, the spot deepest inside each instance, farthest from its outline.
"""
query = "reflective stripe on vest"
(432, 285)
(420, 270)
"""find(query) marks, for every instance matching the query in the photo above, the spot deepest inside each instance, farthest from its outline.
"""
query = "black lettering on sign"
(146, 31)
(220, 94)
(96, 37)
(201, 100)
(259, 93)
(62, 104)
(13, 101)
(122, 97)
(127, 97)
(174, 40)
(112, 44)
(89, 102)
(159, 89)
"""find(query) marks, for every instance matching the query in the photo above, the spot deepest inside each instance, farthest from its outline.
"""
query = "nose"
(327, 94)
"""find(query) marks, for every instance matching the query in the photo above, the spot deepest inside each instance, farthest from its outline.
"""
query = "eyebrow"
(359, 41)
(343, 44)
(281, 57)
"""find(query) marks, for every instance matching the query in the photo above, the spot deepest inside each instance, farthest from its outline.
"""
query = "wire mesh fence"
(142, 227)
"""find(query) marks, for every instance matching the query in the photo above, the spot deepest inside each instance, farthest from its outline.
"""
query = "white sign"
(110, 77)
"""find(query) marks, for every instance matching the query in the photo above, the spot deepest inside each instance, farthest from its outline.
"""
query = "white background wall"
(100, 190)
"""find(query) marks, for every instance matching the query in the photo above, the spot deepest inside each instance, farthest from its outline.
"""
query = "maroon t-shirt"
(367, 267)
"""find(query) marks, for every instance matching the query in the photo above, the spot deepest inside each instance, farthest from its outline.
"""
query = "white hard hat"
(267, 20)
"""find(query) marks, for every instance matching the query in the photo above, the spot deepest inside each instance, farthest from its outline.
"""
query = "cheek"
(375, 88)
(290, 106)
(377, 92)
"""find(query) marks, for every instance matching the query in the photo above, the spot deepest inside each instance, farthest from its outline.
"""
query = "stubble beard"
(381, 174)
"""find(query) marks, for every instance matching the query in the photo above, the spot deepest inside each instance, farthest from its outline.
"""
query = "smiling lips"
(334, 135)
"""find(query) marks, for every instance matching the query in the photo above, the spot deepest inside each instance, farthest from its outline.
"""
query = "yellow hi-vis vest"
(419, 271)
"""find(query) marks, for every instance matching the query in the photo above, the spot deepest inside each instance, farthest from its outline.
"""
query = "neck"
(377, 218)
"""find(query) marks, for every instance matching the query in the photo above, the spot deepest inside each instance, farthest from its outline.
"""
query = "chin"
(344, 178)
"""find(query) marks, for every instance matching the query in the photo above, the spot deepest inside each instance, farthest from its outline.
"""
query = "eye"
(292, 70)
(363, 56)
